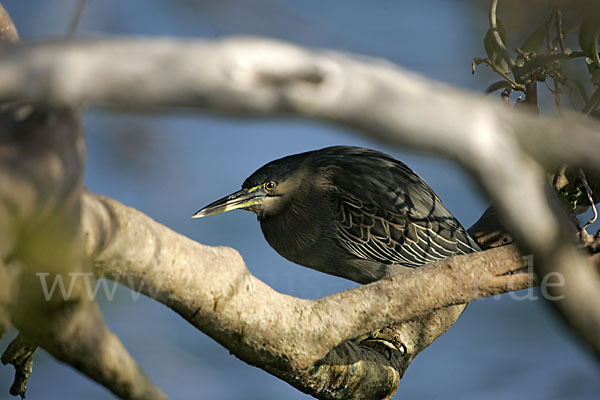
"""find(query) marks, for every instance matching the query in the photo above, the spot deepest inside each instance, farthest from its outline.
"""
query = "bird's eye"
(270, 186)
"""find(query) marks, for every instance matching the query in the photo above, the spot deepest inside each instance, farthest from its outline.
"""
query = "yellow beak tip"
(197, 215)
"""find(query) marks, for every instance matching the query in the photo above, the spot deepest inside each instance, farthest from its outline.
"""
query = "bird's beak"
(240, 199)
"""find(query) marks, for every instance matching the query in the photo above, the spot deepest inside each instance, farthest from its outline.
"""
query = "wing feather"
(391, 216)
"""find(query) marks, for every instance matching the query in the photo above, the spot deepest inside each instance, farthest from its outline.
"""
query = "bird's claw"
(384, 340)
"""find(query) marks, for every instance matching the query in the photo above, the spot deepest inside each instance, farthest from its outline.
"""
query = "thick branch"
(287, 336)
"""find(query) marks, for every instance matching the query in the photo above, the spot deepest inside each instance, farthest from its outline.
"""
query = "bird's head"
(266, 191)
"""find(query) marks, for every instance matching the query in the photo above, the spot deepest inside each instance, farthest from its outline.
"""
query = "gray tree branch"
(304, 342)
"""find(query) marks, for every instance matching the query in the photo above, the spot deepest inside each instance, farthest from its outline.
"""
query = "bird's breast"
(293, 238)
(302, 229)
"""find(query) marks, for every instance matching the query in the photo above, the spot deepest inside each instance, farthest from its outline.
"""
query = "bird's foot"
(385, 340)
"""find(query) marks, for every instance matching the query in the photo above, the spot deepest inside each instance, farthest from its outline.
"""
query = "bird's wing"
(392, 216)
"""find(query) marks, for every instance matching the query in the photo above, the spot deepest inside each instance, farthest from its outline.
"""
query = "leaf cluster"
(545, 57)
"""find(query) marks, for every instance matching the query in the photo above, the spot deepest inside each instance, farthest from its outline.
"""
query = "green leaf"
(520, 61)
(497, 86)
(476, 61)
(535, 41)
(588, 37)
(494, 52)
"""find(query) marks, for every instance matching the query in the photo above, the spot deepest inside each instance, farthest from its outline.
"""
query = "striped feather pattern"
(391, 215)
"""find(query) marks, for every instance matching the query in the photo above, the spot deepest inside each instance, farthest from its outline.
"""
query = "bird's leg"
(385, 340)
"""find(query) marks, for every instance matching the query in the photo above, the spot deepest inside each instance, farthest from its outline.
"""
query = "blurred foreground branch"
(41, 170)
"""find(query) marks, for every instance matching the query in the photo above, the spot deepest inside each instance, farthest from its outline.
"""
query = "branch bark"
(304, 342)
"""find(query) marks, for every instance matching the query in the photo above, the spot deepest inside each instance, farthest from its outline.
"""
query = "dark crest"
(276, 171)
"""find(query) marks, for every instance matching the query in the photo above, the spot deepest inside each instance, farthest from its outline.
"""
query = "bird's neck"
(293, 231)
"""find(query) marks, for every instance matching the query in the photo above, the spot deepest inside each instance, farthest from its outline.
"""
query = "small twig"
(76, 18)
(551, 57)
(496, 35)
(592, 103)
(590, 196)
(516, 86)
(531, 97)
(551, 21)
(556, 92)
(559, 31)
